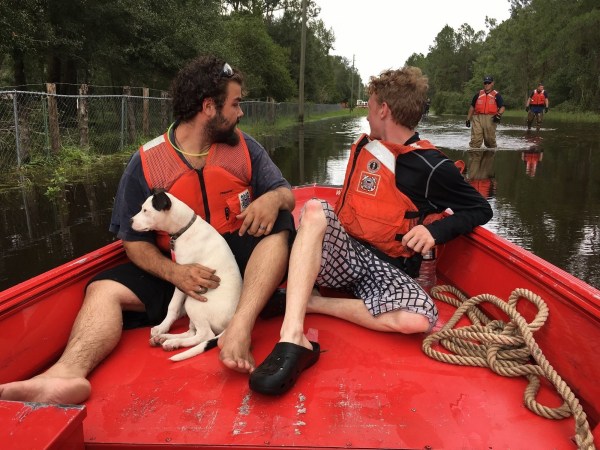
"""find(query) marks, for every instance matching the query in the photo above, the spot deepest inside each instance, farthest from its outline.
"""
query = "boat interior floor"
(368, 390)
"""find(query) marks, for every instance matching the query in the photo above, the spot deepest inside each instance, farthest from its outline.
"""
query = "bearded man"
(204, 160)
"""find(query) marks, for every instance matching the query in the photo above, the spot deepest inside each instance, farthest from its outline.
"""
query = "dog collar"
(180, 232)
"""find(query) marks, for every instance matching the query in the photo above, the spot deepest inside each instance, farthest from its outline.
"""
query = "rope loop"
(507, 348)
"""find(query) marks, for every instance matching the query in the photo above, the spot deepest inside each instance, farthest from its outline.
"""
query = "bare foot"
(235, 351)
(47, 389)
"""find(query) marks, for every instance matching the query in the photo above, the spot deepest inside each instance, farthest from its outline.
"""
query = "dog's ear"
(161, 201)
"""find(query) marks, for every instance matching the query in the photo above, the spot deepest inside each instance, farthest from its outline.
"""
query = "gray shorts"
(348, 265)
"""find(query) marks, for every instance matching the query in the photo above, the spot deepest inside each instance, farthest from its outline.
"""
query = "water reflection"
(554, 212)
(39, 232)
(301, 176)
(480, 171)
(533, 154)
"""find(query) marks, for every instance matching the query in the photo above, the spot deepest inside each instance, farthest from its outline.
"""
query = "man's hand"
(546, 109)
(527, 108)
(497, 118)
(418, 239)
(260, 216)
(468, 123)
(192, 279)
(195, 279)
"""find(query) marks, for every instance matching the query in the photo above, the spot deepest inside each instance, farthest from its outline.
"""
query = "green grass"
(285, 122)
(73, 163)
(559, 116)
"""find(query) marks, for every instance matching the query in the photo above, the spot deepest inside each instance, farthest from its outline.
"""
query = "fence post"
(130, 114)
(16, 117)
(82, 116)
(164, 110)
(44, 105)
(271, 110)
(53, 118)
(122, 122)
(146, 111)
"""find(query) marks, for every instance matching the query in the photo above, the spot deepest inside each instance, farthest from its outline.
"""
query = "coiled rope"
(507, 349)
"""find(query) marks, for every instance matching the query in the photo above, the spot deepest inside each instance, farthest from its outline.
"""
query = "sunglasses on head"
(226, 71)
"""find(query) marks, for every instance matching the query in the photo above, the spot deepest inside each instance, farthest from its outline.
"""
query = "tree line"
(554, 42)
(144, 43)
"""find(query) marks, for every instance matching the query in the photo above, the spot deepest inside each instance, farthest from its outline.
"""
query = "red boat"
(369, 389)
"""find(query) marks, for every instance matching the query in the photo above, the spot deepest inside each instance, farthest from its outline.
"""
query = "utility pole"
(302, 63)
(352, 86)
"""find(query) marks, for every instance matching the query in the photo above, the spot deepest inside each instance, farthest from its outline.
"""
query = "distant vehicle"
(361, 104)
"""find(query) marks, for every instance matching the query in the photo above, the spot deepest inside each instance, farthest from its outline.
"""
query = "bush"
(449, 103)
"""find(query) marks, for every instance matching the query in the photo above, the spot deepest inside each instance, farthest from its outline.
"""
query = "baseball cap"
(488, 79)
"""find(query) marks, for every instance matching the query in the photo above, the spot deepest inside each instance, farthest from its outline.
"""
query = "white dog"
(193, 241)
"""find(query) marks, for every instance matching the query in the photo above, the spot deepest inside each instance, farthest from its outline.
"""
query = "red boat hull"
(369, 389)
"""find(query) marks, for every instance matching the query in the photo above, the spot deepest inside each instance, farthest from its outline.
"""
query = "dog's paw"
(158, 330)
(155, 341)
(171, 344)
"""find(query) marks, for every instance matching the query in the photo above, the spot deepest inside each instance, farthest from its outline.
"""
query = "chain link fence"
(40, 124)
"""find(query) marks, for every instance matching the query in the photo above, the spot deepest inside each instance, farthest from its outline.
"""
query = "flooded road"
(544, 188)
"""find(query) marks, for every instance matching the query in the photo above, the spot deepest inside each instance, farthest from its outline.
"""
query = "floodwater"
(544, 188)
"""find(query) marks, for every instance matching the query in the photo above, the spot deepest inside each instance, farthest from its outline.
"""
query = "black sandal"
(280, 370)
(275, 307)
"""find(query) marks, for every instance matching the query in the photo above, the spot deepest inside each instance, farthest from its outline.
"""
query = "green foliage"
(56, 185)
(70, 164)
(119, 42)
(249, 43)
(449, 103)
(551, 41)
(124, 43)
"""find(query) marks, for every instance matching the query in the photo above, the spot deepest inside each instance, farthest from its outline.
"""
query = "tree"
(249, 43)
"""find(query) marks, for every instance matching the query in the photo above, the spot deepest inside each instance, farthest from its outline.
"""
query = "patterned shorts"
(348, 265)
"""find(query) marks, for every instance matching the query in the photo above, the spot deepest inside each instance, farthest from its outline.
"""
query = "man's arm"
(470, 113)
(450, 190)
(285, 198)
(446, 189)
(273, 193)
(189, 278)
(500, 103)
(260, 216)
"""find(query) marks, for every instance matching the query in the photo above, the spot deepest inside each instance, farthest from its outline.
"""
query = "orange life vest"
(486, 103)
(371, 208)
(538, 98)
(217, 192)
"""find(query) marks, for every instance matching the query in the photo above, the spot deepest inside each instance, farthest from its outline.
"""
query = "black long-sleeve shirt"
(446, 188)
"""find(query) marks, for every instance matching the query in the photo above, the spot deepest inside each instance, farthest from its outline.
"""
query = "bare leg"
(305, 261)
(264, 272)
(354, 310)
(96, 332)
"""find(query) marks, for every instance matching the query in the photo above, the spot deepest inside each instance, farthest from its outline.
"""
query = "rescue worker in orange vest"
(390, 212)
(225, 176)
(484, 115)
(537, 105)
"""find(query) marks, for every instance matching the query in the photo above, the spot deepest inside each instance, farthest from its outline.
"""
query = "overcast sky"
(382, 34)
